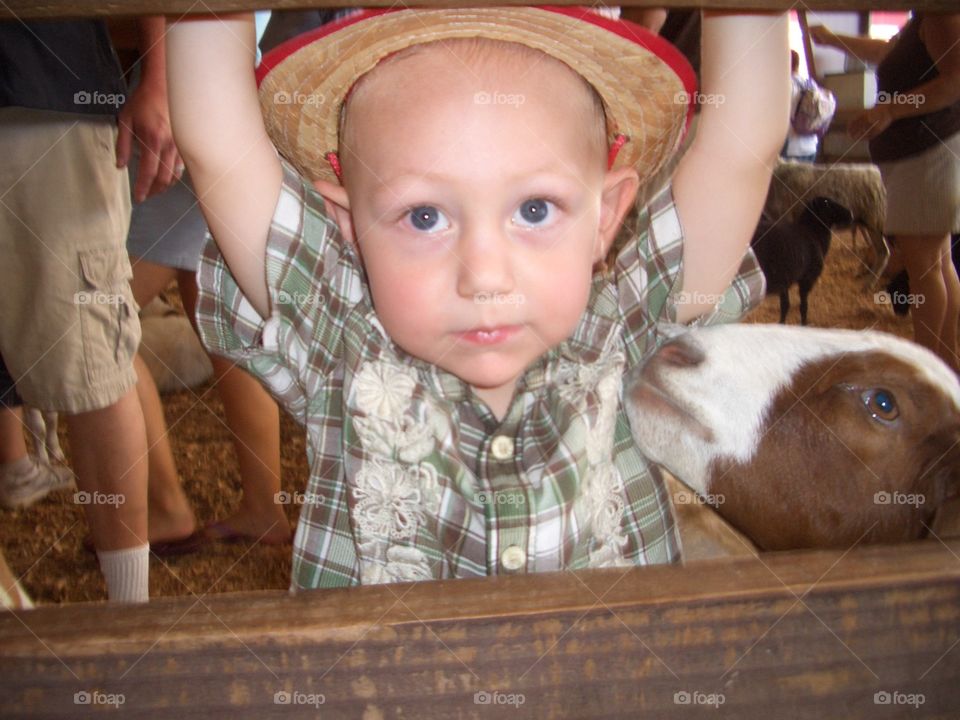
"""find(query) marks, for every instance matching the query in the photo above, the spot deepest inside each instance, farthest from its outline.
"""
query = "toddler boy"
(422, 281)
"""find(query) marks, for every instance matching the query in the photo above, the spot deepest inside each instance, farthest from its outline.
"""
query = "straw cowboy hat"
(645, 84)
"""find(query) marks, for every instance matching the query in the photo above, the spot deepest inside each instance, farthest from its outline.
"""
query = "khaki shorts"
(68, 326)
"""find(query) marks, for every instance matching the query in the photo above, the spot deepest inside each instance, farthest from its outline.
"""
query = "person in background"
(802, 147)
(914, 135)
(69, 327)
(24, 478)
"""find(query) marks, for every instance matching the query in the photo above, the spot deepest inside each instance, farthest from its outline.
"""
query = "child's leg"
(170, 516)
(254, 422)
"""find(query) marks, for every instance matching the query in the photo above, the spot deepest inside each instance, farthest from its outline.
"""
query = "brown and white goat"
(803, 437)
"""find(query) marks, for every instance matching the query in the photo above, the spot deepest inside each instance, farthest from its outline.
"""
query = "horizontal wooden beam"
(89, 8)
(815, 634)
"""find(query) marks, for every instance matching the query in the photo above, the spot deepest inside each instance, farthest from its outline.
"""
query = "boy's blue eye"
(533, 212)
(427, 218)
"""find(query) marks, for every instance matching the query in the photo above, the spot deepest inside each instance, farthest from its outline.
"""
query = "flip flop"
(184, 546)
(165, 548)
(219, 531)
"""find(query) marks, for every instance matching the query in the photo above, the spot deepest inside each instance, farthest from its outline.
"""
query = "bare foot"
(170, 523)
(271, 528)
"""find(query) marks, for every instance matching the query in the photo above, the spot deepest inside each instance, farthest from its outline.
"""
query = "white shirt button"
(502, 447)
(513, 558)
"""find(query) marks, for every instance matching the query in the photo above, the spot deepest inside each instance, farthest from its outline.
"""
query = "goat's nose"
(681, 351)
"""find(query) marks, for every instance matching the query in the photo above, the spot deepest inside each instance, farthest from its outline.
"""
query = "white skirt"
(923, 191)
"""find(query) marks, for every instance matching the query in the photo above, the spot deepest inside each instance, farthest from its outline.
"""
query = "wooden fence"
(870, 633)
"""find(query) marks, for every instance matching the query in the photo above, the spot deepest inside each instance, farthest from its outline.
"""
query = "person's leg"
(923, 259)
(948, 336)
(170, 516)
(254, 422)
(12, 445)
(109, 451)
(69, 330)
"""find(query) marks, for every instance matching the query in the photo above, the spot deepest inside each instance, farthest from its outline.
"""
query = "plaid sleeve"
(293, 350)
(649, 278)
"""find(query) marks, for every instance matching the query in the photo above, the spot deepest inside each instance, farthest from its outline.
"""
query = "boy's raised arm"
(721, 183)
(220, 133)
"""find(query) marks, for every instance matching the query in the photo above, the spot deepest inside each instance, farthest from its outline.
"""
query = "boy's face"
(476, 197)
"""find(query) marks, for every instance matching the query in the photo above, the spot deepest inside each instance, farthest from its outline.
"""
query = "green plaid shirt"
(411, 476)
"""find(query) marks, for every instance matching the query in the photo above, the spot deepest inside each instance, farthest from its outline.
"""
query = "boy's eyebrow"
(392, 185)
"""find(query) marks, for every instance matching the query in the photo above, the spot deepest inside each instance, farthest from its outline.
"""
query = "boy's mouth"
(489, 335)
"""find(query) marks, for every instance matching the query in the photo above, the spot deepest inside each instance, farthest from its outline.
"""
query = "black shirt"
(66, 66)
(906, 66)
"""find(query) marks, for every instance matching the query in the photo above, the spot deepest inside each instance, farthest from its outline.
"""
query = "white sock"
(127, 573)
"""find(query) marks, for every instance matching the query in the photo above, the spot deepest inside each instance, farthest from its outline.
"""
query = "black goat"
(793, 252)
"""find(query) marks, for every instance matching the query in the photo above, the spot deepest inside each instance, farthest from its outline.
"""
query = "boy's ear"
(337, 205)
(619, 192)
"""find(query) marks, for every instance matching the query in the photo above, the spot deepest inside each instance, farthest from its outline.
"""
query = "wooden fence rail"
(870, 633)
(81, 8)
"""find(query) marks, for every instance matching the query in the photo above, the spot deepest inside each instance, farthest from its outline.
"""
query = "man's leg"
(109, 448)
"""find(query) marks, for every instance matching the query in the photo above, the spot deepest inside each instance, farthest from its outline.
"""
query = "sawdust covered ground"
(44, 544)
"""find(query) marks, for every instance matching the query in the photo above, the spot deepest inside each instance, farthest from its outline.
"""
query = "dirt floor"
(44, 543)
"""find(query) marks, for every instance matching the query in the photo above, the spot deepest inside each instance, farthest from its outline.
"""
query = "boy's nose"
(485, 265)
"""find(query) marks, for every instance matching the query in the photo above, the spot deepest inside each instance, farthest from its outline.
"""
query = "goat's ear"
(944, 484)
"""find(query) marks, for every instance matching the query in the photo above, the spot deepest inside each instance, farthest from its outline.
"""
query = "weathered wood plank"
(787, 635)
(83, 8)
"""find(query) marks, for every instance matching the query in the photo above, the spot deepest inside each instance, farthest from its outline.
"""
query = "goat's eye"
(881, 404)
